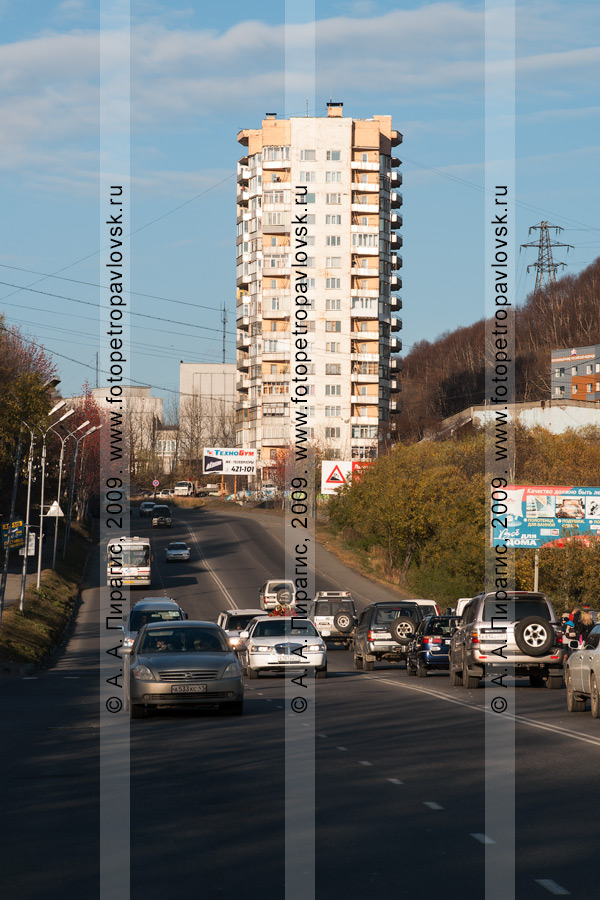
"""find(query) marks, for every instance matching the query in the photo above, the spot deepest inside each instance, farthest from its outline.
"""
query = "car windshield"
(333, 607)
(513, 610)
(180, 640)
(177, 547)
(283, 628)
(238, 623)
(139, 618)
(389, 613)
(129, 556)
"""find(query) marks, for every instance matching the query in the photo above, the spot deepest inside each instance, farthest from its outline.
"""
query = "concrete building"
(556, 416)
(207, 407)
(351, 178)
(575, 373)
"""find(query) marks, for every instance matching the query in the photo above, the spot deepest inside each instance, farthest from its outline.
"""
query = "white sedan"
(177, 551)
(280, 644)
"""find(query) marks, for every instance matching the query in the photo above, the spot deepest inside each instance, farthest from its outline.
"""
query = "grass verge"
(31, 636)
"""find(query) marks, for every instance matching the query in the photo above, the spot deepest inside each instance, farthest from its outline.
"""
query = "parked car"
(582, 674)
(428, 607)
(281, 644)
(148, 610)
(430, 645)
(161, 516)
(177, 551)
(146, 508)
(183, 664)
(164, 493)
(277, 591)
(384, 631)
(520, 633)
(233, 621)
(334, 616)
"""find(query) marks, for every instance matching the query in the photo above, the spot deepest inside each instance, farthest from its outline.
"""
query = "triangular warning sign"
(336, 477)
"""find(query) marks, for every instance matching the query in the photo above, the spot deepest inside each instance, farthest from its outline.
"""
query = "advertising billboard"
(228, 461)
(544, 516)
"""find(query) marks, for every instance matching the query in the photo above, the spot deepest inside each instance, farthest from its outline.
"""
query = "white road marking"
(322, 735)
(483, 839)
(341, 748)
(557, 729)
(553, 887)
(395, 781)
(364, 762)
(210, 569)
(432, 805)
(30, 678)
(70, 677)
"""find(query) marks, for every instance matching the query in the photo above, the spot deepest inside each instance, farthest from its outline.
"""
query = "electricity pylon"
(545, 265)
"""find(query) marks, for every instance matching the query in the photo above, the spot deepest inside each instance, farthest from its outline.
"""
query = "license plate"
(289, 659)
(434, 648)
(325, 632)
(188, 688)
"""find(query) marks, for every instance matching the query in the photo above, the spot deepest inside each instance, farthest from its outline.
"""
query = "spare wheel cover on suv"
(534, 636)
(284, 597)
(343, 622)
(402, 629)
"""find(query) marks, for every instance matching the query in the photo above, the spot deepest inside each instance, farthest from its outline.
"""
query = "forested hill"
(442, 377)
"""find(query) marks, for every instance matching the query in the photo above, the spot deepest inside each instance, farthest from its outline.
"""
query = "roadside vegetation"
(419, 516)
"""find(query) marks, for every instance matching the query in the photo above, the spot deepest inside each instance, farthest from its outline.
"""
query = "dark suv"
(161, 517)
(430, 645)
(519, 633)
(384, 631)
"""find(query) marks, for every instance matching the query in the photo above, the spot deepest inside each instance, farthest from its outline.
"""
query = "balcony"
(397, 139)
(243, 341)
(243, 362)
(363, 420)
(358, 165)
(395, 365)
(276, 164)
(396, 220)
(395, 303)
(361, 378)
(372, 272)
(243, 322)
(363, 292)
(365, 313)
(396, 323)
(395, 241)
(242, 384)
(395, 386)
(364, 208)
(395, 345)
(365, 187)
(395, 283)
(395, 179)
(396, 200)
(365, 398)
(365, 251)
(363, 229)
(242, 197)
(395, 406)
(364, 357)
(396, 261)
(396, 162)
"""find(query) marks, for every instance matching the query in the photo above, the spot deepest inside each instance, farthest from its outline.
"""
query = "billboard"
(534, 516)
(227, 461)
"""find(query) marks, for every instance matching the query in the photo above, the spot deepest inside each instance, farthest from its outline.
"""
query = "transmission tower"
(545, 265)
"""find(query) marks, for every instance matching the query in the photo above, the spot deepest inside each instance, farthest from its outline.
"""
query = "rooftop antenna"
(224, 321)
(330, 89)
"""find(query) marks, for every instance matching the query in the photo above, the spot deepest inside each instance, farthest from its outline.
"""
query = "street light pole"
(26, 548)
(44, 433)
(63, 441)
(72, 481)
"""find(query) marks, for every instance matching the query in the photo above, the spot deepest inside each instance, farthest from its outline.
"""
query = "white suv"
(277, 591)
(334, 616)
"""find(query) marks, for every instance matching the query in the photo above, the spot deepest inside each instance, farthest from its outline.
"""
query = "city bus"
(128, 559)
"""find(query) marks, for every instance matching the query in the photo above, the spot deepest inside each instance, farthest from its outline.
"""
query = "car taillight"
(474, 637)
(559, 638)
(432, 640)
(369, 635)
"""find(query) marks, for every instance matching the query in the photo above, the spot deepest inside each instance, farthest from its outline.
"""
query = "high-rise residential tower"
(345, 172)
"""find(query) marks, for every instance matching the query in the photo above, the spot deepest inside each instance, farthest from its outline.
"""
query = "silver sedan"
(281, 644)
(177, 551)
(582, 674)
(183, 664)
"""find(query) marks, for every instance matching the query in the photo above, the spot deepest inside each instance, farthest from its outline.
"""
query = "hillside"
(442, 377)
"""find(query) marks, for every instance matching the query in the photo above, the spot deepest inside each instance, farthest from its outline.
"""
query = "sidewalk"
(15, 568)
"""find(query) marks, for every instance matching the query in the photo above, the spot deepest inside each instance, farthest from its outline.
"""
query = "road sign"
(155, 483)
(31, 548)
(17, 534)
(228, 461)
(335, 473)
(55, 512)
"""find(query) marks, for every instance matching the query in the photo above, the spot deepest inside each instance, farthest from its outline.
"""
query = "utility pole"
(97, 364)
(545, 265)
(224, 321)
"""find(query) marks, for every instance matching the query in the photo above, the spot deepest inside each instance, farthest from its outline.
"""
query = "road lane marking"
(211, 571)
(553, 887)
(322, 735)
(341, 748)
(483, 839)
(432, 805)
(395, 781)
(557, 729)
(364, 762)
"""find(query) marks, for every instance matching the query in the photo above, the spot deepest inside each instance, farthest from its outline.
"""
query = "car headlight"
(234, 641)
(233, 670)
(128, 641)
(315, 648)
(143, 673)
(260, 648)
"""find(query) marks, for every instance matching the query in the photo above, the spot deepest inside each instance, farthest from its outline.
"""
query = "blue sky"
(199, 73)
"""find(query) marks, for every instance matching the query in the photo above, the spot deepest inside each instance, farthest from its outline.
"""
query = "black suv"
(384, 631)
(161, 517)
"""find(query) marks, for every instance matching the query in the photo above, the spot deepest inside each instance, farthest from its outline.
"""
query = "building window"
(310, 198)
(598, 386)
(574, 389)
(333, 240)
(333, 199)
(273, 284)
(336, 369)
(308, 155)
(364, 240)
(310, 219)
(333, 390)
(559, 373)
(333, 155)
(333, 325)
(275, 218)
(559, 391)
(574, 370)
(333, 412)
(335, 220)
(307, 177)
(333, 262)
(275, 154)
(332, 433)
(333, 304)
(332, 284)
(333, 177)
(589, 388)
(588, 369)
(277, 196)
(332, 348)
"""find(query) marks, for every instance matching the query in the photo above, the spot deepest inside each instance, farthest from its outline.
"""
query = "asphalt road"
(395, 770)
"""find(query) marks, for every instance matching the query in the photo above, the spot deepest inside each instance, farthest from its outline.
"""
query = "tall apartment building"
(350, 177)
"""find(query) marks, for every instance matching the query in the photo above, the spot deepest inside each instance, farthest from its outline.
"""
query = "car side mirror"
(244, 635)
(574, 645)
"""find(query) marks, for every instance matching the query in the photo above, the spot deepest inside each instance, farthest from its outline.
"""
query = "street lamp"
(62, 440)
(72, 483)
(44, 433)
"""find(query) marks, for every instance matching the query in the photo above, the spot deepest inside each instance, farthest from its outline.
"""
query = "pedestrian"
(584, 626)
